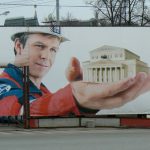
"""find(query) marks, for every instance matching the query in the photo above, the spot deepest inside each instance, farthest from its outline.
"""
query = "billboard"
(94, 72)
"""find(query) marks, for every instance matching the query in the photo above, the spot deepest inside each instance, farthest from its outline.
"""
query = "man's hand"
(146, 86)
(74, 71)
(105, 96)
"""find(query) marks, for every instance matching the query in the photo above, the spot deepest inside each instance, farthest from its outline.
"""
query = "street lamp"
(5, 13)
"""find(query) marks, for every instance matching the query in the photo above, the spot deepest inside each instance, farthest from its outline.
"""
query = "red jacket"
(42, 101)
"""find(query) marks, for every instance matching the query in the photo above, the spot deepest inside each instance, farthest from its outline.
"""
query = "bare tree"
(122, 12)
(108, 9)
(145, 13)
(50, 18)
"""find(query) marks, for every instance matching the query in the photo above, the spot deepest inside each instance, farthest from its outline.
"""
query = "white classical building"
(110, 64)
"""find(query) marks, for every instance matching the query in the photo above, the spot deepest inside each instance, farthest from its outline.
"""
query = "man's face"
(42, 51)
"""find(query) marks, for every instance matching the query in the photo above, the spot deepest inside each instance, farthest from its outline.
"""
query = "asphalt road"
(75, 139)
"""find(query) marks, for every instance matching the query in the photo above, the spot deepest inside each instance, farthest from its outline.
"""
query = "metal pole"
(57, 12)
(26, 114)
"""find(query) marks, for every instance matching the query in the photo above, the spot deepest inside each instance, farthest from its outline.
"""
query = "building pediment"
(108, 47)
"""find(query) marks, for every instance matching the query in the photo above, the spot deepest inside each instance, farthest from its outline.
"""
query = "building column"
(110, 75)
(97, 74)
(119, 73)
(115, 73)
(105, 74)
(85, 74)
(122, 73)
(92, 74)
(88, 74)
(100, 74)
(95, 78)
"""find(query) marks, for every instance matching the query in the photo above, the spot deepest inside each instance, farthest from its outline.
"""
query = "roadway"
(75, 139)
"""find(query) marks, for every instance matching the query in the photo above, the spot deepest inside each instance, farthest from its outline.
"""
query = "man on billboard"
(37, 48)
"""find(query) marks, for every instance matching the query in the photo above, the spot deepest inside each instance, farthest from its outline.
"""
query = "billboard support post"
(26, 106)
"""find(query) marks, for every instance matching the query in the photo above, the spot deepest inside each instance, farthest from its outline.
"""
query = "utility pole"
(55, 25)
(57, 12)
(55, 22)
(26, 101)
(26, 114)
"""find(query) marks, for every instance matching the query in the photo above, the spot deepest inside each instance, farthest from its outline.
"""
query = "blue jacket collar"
(16, 73)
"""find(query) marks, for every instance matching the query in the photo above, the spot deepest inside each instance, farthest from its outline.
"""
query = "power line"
(25, 3)
(44, 2)
(27, 0)
(15, 4)
(5, 6)
(9, 7)
(16, 1)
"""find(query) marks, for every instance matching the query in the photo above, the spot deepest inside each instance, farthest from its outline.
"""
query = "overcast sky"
(83, 40)
(43, 11)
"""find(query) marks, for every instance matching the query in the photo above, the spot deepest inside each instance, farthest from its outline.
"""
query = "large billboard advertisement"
(80, 71)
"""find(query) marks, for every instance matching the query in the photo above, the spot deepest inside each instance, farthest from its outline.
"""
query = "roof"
(113, 48)
(106, 47)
